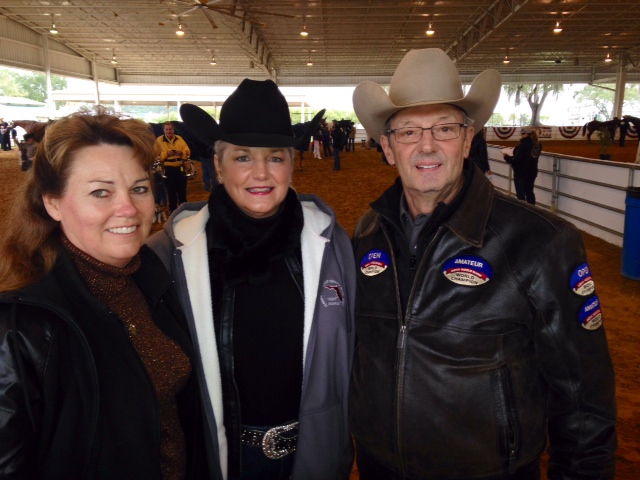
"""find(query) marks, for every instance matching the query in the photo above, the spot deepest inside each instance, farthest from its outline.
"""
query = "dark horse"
(635, 121)
(300, 130)
(592, 126)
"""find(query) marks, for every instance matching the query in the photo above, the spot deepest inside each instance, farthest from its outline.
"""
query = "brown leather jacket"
(498, 344)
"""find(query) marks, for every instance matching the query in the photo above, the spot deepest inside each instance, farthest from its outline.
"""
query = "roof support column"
(621, 81)
(47, 71)
(94, 75)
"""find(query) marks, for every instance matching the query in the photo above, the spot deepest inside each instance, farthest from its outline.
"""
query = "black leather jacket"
(57, 420)
(490, 353)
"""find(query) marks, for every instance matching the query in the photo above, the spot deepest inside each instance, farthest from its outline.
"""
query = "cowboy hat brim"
(415, 84)
(207, 130)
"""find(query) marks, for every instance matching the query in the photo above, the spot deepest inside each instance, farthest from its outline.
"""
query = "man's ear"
(386, 148)
(52, 205)
(467, 141)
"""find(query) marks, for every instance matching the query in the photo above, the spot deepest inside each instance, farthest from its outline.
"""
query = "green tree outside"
(29, 85)
(602, 97)
(536, 94)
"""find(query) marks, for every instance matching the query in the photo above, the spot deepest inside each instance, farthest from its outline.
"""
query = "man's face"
(168, 131)
(431, 170)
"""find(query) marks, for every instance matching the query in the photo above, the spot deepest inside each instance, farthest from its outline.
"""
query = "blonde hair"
(30, 238)
(220, 145)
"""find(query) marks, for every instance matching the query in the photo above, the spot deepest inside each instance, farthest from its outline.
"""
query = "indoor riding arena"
(364, 177)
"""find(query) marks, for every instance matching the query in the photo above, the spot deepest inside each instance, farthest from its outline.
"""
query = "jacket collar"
(467, 214)
(151, 278)
(166, 140)
(190, 219)
(469, 220)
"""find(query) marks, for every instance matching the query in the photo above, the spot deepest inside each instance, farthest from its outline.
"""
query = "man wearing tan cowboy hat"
(479, 331)
(267, 279)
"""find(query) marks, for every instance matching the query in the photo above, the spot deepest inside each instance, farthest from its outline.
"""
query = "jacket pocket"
(506, 414)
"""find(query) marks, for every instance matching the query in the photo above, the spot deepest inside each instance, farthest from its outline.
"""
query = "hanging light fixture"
(53, 30)
(213, 60)
(608, 58)
(113, 57)
(557, 28)
(309, 62)
(430, 31)
(180, 32)
(303, 32)
(506, 59)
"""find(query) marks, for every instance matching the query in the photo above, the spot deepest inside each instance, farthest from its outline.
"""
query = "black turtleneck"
(248, 255)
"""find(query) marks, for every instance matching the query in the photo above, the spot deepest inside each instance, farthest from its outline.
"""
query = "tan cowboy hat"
(425, 77)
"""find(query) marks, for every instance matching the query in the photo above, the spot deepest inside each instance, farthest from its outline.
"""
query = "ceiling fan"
(208, 6)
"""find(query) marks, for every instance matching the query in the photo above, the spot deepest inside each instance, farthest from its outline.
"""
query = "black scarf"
(242, 247)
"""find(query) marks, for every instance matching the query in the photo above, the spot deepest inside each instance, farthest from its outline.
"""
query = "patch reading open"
(374, 263)
(581, 281)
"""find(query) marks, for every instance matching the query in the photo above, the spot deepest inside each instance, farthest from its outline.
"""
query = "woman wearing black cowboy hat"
(267, 277)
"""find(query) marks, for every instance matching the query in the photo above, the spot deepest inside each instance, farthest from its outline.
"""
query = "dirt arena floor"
(363, 177)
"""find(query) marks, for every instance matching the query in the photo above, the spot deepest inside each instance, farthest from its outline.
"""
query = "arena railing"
(588, 193)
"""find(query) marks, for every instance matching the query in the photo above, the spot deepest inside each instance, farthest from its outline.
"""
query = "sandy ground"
(364, 177)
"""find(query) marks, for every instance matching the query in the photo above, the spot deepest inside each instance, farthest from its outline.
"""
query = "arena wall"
(589, 193)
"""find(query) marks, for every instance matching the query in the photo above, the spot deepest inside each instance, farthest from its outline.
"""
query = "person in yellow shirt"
(172, 151)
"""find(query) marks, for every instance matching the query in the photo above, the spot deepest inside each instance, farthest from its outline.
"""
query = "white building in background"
(18, 108)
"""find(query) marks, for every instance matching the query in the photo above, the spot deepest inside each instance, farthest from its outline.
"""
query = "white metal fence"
(588, 193)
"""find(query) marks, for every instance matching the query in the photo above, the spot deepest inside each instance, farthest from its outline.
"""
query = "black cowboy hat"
(256, 114)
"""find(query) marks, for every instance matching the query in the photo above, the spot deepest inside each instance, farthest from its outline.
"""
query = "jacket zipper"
(511, 428)
(402, 339)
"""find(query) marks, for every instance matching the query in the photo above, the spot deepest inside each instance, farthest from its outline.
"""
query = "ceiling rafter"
(349, 40)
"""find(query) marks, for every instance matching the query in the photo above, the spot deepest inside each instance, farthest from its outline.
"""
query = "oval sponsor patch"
(582, 282)
(468, 270)
(591, 314)
(374, 263)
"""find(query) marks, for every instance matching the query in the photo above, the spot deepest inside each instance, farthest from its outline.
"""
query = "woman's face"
(107, 207)
(256, 178)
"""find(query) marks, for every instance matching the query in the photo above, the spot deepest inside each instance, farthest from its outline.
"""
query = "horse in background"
(592, 126)
(635, 121)
(299, 130)
(25, 162)
(34, 127)
(198, 149)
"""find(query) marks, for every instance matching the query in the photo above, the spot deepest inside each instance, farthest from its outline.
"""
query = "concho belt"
(274, 445)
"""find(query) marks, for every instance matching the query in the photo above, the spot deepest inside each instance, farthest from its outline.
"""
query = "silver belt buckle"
(269, 446)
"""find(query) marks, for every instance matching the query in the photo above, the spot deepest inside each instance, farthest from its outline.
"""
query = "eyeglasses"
(442, 132)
